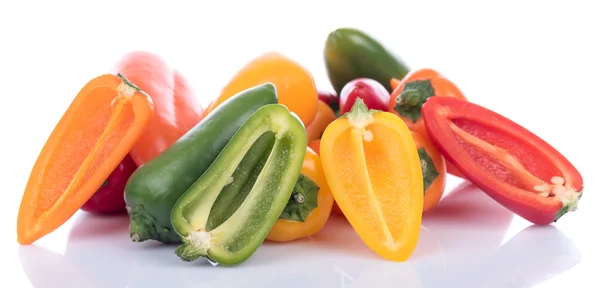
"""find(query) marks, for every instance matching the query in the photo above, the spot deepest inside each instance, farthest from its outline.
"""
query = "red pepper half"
(509, 163)
(110, 197)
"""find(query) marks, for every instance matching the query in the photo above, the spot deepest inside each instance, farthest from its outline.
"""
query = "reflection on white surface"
(460, 246)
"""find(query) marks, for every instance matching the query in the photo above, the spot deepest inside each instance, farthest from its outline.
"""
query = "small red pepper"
(110, 197)
(512, 165)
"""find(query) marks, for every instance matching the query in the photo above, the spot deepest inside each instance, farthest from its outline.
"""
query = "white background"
(536, 62)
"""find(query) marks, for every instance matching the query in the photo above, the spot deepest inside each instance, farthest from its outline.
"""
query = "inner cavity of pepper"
(508, 157)
(235, 188)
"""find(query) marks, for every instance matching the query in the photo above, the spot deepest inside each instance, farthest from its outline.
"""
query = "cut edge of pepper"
(210, 244)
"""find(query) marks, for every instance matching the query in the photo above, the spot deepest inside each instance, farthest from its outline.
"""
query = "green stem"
(410, 98)
(143, 226)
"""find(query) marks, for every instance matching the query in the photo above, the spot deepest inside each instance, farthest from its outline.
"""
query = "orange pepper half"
(288, 230)
(97, 131)
(373, 169)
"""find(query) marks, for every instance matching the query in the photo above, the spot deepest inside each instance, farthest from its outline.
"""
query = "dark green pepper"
(229, 211)
(154, 187)
(351, 54)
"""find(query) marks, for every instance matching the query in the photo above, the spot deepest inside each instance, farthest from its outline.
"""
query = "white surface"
(535, 62)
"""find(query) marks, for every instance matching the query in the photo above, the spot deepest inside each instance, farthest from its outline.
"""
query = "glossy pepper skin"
(176, 108)
(288, 230)
(110, 197)
(411, 92)
(295, 84)
(154, 188)
(370, 91)
(228, 212)
(351, 53)
(515, 167)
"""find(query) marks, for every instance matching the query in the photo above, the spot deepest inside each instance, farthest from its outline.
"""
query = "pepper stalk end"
(360, 115)
(143, 227)
(194, 246)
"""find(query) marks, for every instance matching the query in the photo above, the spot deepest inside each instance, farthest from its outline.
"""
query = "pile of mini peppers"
(273, 157)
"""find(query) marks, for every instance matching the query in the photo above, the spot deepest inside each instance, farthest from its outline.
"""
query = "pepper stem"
(299, 198)
(143, 226)
(409, 98)
(360, 115)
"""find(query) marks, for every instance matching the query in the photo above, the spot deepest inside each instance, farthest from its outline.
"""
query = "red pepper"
(110, 196)
(512, 165)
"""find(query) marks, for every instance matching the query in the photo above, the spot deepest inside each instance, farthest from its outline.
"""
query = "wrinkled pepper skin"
(228, 212)
(154, 187)
(350, 54)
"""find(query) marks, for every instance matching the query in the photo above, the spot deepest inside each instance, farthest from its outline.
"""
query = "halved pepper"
(310, 205)
(153, 188)
(512, 165)
(373, 169)
(94, 135)
(228, 212)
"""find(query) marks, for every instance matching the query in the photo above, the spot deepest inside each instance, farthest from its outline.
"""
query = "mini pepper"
(228, 212)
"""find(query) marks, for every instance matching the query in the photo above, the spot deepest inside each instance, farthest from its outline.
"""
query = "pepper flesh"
(229, 211)
(104, 121)
(371, 164)
(288, 230)
(512, 165)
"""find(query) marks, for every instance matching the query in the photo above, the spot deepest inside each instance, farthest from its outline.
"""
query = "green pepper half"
(229, 211)
(153, 188)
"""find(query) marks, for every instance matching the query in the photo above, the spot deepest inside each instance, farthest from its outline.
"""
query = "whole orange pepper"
(325, 115)
(295, 84)
(412, 91)
(373, 169)
(288, 230)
